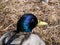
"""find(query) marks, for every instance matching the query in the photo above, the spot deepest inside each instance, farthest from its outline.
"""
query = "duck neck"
(24, 30)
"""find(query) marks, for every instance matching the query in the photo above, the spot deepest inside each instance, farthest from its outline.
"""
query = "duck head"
(27, 22)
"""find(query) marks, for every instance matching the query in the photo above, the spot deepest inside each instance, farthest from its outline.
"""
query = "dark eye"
(32, 20)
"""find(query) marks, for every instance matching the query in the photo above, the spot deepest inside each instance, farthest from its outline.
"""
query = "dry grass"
(12, 10)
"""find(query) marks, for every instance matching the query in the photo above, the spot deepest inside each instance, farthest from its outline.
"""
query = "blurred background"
(12, 10)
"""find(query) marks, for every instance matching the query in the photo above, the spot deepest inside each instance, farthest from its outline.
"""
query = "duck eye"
(32, 20)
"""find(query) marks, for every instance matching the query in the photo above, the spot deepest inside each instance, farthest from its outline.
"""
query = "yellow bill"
(41, 23)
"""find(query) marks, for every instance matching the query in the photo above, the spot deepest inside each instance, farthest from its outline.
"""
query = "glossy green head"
(26, 23)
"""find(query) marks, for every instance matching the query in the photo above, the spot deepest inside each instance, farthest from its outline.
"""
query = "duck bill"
(41, 23)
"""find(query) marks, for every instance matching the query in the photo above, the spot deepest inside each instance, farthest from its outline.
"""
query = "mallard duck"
(24, 35)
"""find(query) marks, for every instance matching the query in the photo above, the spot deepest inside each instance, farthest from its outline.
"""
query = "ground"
(12, 10)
